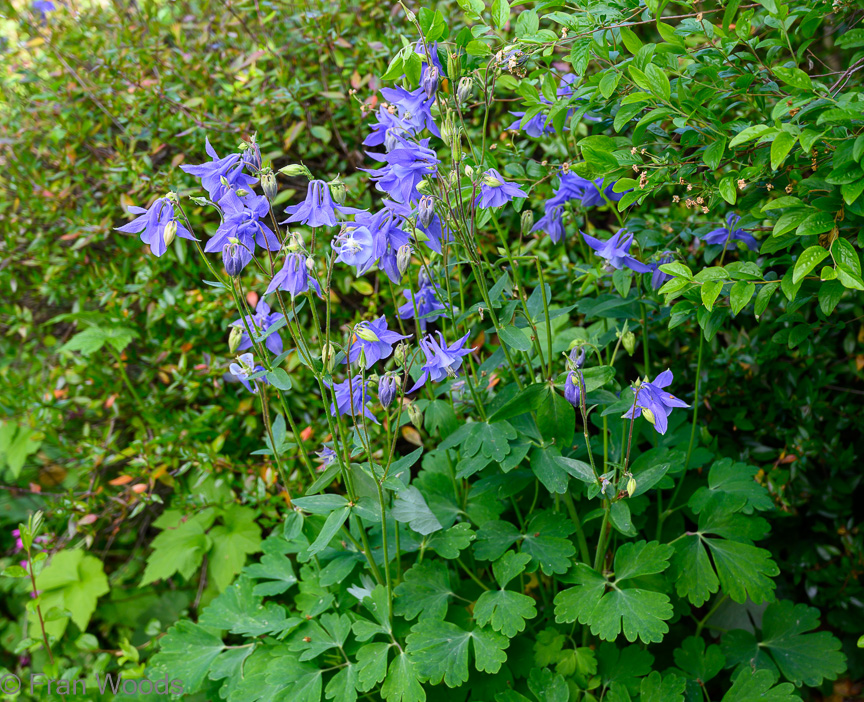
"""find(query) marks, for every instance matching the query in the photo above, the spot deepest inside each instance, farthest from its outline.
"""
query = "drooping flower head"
(552, 222)
(654, 402)
(387, 236)
(212, 174)
(260, 322)
(589, 193)
(243, 368)
(387, 128)
(658, 277)
(616, 251)
(294, 277)
(415, 107)
(405, 165)
(327, 455)
(428, 303)
(243, 220)
(158, 225)
(43, 7)
(352, 395)
(388, 386)
(317, 210)
(355, 247)
(575, 380)
(442, 361)
(420, 47)
(374, 340)
(731, 232)
(495, 191)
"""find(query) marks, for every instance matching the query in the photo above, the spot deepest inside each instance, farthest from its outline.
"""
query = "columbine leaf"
(439, 651)
(342, 686)
(548, 686)
(657, 688)
(232, 541)
(546, 541)
(187, 651)
(402, 683)
(371, 665)
(450, 543)
(697, 662)
(240, 611)
(639, 613)
(275, 570)
(509, 566)
(801, 657)
(410, 507)
(505, 609)
(425, 591)
(493, 539)
(758, 686)
(492, 440)
(734, 485)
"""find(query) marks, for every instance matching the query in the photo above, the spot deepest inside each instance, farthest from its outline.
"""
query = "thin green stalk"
(580, 532)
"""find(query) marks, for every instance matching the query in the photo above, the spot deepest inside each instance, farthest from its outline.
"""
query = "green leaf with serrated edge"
(493, 440)
(509, 566)
(639, 613)
(342, 686)
(177, 550)
(402, 683)
(505, 610)
(238, 537)
(759, 685)
(697, 662)
(425, 592)
(657, 688)
(329, 530)
(801, 657)
(439, 651)
(548, 686)
(734, 485)
(451, 542)
(187, 650)
(371, 665)
(240, 611)
(73, 581)
(740, 294)
(410, 507)
(545, 540)
(807, 261)
(493, 539)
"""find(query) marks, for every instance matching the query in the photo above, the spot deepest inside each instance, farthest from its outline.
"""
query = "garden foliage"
(527, 367)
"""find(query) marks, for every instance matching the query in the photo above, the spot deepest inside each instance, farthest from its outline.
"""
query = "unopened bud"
(169, 232)
(338, 191)
(423, 186)
(387, 388)
(463, 92)
(453, 66)
(364, 332)
(400, 353)
(469, 171)
(628, 341)
(403, 258)
(296, 169)
(328, 356)
(242, 192)
(310, 263)
(234, 338)
(491, 181)
(429, 81)
(631, 486)
(649, 415)
(426, 210)
(224, 181)
(415, 415)
(577, 356)
(527, 222)
(268, 185)
(232, 259)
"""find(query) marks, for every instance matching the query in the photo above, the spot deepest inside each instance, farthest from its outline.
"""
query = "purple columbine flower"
(552, 223)
(245, 367)
(442, 361)
(157, 224)
(428, 300)
(415, 108)
(616, 251)
(43, 7)
(589, 193)
(495, 191)
(387, 236)
(351, 398)
(572, 390)
(437, 234)
(355, 247)
(429, 81)
(374, 340)
(730, 232)
(211, 173)
(405, 166)
(658, 277)
(387, 389)
(420, 49)
(654, 402)
(317, 210)
(387, 128)
(243, 221)
(260, 322)
(294, 277)
(327, 456)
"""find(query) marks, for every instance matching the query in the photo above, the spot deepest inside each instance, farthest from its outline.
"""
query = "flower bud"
(310, 263)
(463, 92)
(242, 192)
(268, 185)
(328, 357)
(391, 140)
(577, 356)
(527, 221)
(234, 338)
(337, 191)
(224, 181)
(648, 414)
(628, 341)
(387, 387)
(169, 232)
(415, 415)
(469, 171)
(423, 185)
(403, 258)
(296, 169)
(232, 259)
(491, 181)
(631, 486)
(429, 81)
(572, 389)
(400, 353)
(426, 210)
(362, 331)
